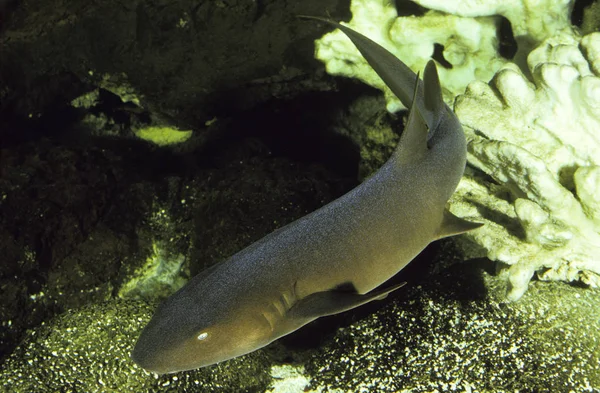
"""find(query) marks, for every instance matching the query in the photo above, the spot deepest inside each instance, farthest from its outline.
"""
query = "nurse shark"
(333, 259)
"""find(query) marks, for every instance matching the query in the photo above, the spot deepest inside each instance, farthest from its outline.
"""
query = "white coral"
(536, 135)
(467, 30)
(532, 21)
(470, 46)
(540, 142)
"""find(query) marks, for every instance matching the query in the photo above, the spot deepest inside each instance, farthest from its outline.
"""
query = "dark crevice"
(507, 45)
(408, 8)
(301, 129)
(578, 11)
(438, 55)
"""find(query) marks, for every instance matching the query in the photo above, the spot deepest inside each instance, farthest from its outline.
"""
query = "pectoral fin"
(325, 303)
(453, 225)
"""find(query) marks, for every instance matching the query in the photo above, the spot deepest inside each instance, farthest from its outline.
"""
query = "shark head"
(192, 330)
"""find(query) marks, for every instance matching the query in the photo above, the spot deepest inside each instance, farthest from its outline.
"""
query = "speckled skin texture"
(356, 242)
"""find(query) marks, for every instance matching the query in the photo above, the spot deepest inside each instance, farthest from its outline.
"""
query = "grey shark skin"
(332, 259)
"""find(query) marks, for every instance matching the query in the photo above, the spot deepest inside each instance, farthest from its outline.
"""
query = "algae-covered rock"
(163, 136)
(88, 349)
(447, 336)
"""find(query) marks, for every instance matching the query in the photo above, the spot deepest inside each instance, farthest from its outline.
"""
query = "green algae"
(87, 350)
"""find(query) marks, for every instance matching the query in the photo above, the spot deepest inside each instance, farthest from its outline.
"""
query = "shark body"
(332, 259)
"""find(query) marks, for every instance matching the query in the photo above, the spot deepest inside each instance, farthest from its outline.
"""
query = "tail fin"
(398, 76)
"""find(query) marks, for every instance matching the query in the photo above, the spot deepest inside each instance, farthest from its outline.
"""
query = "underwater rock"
(450, 332)
(160, 275)
(539, 142)
(442, 338)
(87, 349)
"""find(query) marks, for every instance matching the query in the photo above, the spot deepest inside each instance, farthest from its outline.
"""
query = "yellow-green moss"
(163, 136)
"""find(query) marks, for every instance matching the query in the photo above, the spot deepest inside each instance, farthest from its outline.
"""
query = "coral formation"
(532, 130)
(540, 143)
(532, 21)
(466, 30)
(470, 46)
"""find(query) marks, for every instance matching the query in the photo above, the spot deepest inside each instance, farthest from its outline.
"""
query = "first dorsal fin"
(433, 100)
(413, 142)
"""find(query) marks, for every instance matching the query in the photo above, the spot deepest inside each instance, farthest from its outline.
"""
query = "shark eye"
(202, 336)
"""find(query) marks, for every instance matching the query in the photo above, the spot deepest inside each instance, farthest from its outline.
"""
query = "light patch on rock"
(291, 379)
